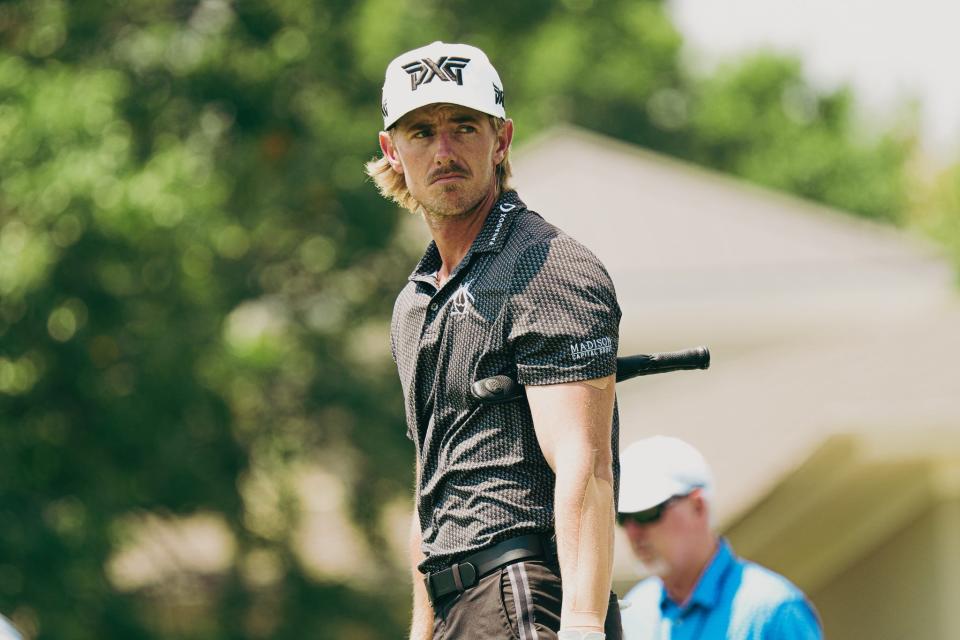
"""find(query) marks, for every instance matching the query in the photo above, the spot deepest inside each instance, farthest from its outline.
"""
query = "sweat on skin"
(577, 448)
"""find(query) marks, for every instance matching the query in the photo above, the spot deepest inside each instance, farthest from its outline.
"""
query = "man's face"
(448, 156)
(663, 546)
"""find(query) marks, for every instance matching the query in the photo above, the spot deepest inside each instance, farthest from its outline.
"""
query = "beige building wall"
(905, 589)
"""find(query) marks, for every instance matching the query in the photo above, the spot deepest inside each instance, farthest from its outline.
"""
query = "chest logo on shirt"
(462, 300)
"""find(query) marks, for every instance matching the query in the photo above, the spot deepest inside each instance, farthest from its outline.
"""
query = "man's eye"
(421, 133)
(466, 128)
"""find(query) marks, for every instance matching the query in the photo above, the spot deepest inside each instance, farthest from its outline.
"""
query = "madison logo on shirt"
(591, 348)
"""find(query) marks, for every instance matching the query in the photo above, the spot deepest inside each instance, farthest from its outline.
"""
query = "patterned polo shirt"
(527, 301)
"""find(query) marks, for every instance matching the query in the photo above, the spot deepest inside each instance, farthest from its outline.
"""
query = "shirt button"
(434, 306)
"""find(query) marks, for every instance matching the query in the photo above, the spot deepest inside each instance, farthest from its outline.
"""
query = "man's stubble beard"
(446, 207)
(655, 567)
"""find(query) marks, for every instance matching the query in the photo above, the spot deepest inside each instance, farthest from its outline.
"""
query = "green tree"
(936, 210)
(190, 272)
(759, 118)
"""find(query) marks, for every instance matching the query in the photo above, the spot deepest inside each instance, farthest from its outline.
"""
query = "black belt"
(461, 576)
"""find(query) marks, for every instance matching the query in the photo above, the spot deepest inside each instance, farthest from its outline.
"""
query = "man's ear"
(700, 505)
(390, 152)
(504, 138)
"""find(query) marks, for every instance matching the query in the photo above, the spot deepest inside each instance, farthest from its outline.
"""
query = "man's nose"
(635, 530)
(444, 150)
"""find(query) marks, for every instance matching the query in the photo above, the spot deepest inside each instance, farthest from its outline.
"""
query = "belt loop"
(457, 580)
(429, 586)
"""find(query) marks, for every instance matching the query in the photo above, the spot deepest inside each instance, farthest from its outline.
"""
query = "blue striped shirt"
(734, 600)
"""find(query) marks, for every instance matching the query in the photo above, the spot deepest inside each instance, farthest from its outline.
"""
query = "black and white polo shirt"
(527, 301)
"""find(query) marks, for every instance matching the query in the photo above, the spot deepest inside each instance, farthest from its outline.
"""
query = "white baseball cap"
(655, 469)
(441, 72)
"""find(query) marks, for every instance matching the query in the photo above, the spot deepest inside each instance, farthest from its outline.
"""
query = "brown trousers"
(520, 601)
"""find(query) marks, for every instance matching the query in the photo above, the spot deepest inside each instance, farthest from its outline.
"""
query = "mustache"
(451, 169)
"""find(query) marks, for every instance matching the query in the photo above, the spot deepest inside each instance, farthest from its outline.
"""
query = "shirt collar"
(497, 225)
(490, 239)
(429, 264)
(709, 587)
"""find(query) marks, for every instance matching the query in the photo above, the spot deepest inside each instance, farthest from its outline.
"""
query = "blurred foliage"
(936, 210)
(761, 120)
(195, 276)
(193, 279)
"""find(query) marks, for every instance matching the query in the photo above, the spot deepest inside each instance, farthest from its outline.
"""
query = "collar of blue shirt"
(709, 588)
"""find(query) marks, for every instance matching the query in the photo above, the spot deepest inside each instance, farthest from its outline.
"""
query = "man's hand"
(573, 423)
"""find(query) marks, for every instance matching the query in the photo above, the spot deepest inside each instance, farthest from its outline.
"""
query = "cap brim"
(640, 491)
(442, 99)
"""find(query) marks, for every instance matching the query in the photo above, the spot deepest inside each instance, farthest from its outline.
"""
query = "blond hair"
(393, 186)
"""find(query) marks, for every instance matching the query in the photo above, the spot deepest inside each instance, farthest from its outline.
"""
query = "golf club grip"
(498, 389)
(645, 365)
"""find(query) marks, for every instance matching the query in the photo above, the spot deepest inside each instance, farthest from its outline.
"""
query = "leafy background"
(201, 427)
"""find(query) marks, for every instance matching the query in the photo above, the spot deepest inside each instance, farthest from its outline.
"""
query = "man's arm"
(573, 423)
(421, 622)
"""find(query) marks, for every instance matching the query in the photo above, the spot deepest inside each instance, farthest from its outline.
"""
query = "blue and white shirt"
(734, 600)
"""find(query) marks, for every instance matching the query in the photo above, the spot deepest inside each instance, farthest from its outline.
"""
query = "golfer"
(698, 590)
(509, 496)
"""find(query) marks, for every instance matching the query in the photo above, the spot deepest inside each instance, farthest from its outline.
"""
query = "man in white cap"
(508, 496)
(698, 589)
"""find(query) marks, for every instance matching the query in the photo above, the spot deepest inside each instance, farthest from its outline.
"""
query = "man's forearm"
(573, 422)
(421, 622)
(584, 526)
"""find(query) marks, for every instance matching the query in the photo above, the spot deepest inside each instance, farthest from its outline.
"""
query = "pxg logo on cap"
(441, 72)
(445, 69)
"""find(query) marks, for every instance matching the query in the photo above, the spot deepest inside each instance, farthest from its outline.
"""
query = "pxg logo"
(446, 68)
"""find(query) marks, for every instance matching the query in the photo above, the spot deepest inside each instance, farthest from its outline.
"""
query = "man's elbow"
(603, 464)
(585, 461)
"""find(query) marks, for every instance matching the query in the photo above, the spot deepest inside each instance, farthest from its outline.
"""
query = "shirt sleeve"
(794, 620)
(564, 315)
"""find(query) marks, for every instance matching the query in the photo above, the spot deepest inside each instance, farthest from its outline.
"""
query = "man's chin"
(452, 201)
(652, 567)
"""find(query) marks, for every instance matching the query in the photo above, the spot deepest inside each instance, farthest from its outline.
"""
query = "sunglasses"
(651, 515)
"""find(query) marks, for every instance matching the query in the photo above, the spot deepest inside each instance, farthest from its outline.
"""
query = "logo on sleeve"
(590, 348)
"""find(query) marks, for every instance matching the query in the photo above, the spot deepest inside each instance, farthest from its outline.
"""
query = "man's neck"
(681, 582)
(454, 234)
